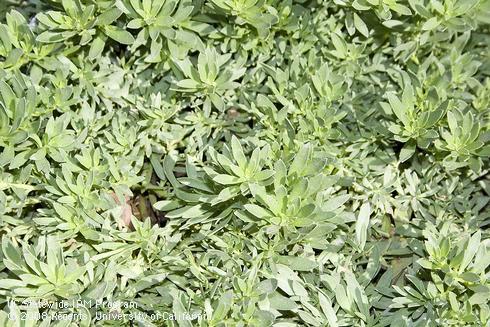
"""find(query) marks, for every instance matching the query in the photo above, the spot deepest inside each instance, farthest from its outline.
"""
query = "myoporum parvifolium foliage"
(244, 163)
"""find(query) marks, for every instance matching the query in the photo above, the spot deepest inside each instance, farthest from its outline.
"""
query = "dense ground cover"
(245, 163)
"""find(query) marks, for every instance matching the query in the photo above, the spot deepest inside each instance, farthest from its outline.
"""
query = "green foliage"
(244, 163)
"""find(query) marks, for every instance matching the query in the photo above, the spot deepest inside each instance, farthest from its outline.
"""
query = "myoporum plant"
(244, 163)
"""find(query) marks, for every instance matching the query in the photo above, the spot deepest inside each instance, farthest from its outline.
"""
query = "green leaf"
(188, 84)
(360, 25)
(327, 308)
(470, 250)
(237, 150)
(72, 7)
(297, 263)
(223, 306)
(96, 48)
(362, 224)
(118, 34)
(257, 211)
(8, 95)
(301, 160)
(430, 24)
(51, 37)
(280, 302)
(109, 16)
(11, 283)
(452, 122)
(398, 108)
(407, 151)
(226, 179)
